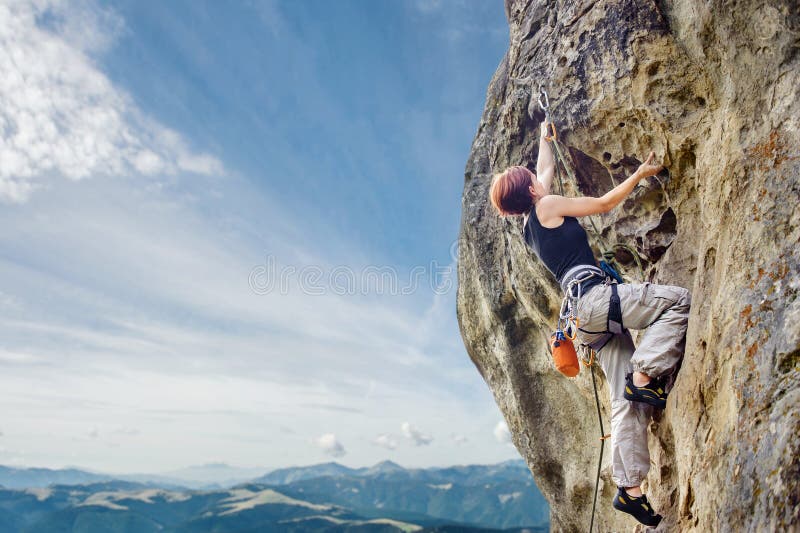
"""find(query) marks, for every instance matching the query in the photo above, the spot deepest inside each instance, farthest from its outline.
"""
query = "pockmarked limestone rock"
(714, 89)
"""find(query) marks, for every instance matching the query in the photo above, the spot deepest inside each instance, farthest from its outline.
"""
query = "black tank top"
(559, 248)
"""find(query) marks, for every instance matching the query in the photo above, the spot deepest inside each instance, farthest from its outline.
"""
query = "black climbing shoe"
(639, 508)
(653, 393)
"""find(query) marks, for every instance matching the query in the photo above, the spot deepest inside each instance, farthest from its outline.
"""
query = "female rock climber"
(637, 376)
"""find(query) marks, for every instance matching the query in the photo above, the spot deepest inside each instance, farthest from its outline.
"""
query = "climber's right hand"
(649, 168)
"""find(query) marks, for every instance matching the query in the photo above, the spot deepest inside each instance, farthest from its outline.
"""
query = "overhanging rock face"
(714, 88)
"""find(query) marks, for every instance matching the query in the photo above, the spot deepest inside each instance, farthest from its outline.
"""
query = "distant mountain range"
(514, 469)
(209, 476)
(322, 497)
(284, 476)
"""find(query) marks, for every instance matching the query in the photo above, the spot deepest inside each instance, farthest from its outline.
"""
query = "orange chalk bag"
(564, 356)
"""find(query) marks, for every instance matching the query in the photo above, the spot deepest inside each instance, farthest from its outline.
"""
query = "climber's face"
(536, 188)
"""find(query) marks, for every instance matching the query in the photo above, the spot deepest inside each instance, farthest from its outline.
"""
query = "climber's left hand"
(649, 168)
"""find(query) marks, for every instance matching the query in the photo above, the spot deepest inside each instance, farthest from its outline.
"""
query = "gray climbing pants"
(663, 312)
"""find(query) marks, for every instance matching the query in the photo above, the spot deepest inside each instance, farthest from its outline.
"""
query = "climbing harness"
(561, 345)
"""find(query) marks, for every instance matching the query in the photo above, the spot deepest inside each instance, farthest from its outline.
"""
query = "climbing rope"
(603, 436)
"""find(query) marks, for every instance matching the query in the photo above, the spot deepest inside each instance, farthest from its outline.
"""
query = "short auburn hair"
(510, 191)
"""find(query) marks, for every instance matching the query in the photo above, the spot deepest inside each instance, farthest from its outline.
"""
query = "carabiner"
(546, 105)
(571, 325)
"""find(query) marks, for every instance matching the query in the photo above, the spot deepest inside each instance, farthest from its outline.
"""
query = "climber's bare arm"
(545, 163)
(551, 208)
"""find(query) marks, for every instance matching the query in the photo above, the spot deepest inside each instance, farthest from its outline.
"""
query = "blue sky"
(160, 161)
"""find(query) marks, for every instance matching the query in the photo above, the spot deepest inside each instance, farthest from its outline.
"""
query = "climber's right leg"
(629, 420)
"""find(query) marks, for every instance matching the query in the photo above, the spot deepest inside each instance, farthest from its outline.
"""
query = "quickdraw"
(553, 134)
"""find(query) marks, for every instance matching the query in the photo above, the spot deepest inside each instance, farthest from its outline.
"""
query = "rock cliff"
(713, 87)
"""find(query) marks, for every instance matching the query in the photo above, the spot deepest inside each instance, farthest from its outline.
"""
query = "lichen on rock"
(713, 88)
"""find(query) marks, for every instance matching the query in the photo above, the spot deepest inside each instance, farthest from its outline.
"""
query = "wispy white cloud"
(136, 292)
(60, 114)
(330, 445)
(415, 435)
(501, 432)
(17, 357)
(385, 440)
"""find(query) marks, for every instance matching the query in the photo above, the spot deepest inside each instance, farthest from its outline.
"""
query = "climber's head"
(515, 190)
